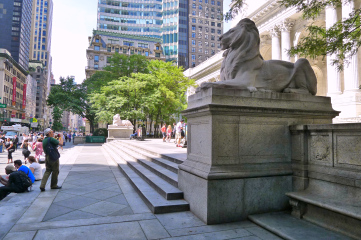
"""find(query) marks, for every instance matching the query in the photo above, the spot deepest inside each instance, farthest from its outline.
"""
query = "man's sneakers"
(42, 189)
(57, 187)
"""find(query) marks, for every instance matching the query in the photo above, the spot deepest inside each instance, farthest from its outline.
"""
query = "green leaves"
(343, 39)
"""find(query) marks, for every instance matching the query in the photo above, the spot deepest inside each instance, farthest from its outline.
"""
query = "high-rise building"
(15, 25)
(167, 20)
(39, 73)
(205, 27)
(41, 29)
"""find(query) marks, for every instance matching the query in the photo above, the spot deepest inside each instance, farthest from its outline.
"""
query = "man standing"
(14, 184)
(20, 167)
(178, 132)
(52, 165)
(164, 129)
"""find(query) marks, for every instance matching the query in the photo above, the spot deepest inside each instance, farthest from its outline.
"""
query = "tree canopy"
(342, 39)
(156, 93)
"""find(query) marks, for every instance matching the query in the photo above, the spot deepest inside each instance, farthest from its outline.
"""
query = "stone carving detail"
(121, 123)
(243, 66)
(286, 25)
(275, 31)
(320, 148)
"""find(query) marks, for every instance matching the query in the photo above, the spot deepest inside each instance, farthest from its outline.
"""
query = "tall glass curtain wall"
(166, 20)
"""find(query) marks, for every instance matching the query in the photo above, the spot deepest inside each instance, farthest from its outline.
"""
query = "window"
(193, 57)
(219, 32)
(193, 64)
(157, 55)
(146, 54)
(206, 51)
(125, 50)
(212, 2)
(212, 44)
(193, 35)
(194, 20)
(126, 43)
(212, 37)
(132, 52)
(97, 40)
(117, 50)
(194, 13)
(200, 21)
(157, 48)
(213, 52)
(207, 29)
(193, 50)
(200, 7)
(219, 45)
(206, 44)
(218, 3)
(96, 66)
(96, 58)
(96, 48)
(200, 57)
(109, 49)
(193, 5)
(200, 28)
(219, 24)
(200, 50)
(193, 42)
(213, 24)
(143, 45)
(199, 43)
(193, 27)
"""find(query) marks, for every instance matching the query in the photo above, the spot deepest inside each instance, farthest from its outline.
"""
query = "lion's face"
(227, 38)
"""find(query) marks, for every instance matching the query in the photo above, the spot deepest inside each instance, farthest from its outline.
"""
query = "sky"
(73, 23)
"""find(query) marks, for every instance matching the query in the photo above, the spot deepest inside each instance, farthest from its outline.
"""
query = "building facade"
(281, 28)
(104, 44)
(12, 88)
(40, 74)
(205, 27)
(30, 110)
(169, 22)
(15, 25)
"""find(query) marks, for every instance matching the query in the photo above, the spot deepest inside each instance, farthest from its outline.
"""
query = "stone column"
(333, 76)
(286, 27)
(350, 70)
(276, 50)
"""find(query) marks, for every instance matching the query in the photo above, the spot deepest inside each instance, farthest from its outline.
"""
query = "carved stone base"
(119, 132)
(239, 150)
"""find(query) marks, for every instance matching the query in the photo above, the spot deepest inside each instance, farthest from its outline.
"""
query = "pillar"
(286, 27)
(333, 76)
(276, 50)
(350, 70)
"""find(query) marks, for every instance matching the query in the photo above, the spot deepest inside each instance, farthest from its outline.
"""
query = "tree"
(156, 94)
(68, 96)
(57, 115)
(342, 39)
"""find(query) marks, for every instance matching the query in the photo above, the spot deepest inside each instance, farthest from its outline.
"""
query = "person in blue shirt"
(20, 167)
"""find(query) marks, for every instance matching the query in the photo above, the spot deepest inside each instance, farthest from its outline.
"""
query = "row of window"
(205, 44)
(200, 7)
(140, 5)
(131, 20)
(212, 2)
(131, 13)
(125, 43)
(206, 15)
(130, 28)
(200, 56)
(206, 22)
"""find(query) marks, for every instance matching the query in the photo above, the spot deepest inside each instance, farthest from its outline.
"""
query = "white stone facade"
(282, 28)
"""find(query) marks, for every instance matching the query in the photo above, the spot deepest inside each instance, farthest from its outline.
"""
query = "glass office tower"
(41, 31)
(165, 20)
(15, 25)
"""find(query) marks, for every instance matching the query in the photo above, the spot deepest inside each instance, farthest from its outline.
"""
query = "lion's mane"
(244, 46)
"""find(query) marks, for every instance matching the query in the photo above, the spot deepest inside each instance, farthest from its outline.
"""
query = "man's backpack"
(26, 181)
(51, 151)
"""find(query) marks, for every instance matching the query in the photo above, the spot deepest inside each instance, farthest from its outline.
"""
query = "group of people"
(177, 132)
(16, 181)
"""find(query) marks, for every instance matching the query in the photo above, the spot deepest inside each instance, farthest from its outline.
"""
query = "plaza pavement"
(98, 202)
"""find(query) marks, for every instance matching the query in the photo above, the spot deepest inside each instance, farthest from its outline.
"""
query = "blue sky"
(73, 23)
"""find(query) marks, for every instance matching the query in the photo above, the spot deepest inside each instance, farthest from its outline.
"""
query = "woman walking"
(11, 148)
(38, 149)
(25, 147)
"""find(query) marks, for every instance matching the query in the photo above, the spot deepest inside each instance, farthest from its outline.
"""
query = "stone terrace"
(98, 202)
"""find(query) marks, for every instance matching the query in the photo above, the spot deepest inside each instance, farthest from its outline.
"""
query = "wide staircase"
(154, 176)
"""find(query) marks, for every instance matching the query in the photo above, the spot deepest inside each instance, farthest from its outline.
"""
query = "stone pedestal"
(119, 132)
(239, 150)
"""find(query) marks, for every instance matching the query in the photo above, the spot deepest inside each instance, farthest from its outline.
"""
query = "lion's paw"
(252, 89)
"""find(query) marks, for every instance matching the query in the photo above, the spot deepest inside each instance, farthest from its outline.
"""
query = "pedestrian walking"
(11, 148)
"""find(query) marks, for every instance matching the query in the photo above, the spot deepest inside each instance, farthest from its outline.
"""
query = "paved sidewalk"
(98, 202)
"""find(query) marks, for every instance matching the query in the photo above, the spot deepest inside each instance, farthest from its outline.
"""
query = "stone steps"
(154, 153)
(152, 157)
(288, 227)
(158, 195)
(158, 170)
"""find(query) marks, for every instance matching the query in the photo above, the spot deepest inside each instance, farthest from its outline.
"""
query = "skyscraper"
(15, 25)
(41, 29)
(167, 20)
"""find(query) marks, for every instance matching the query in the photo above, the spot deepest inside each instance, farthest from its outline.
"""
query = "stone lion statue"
(119, 122)
(243, 66)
